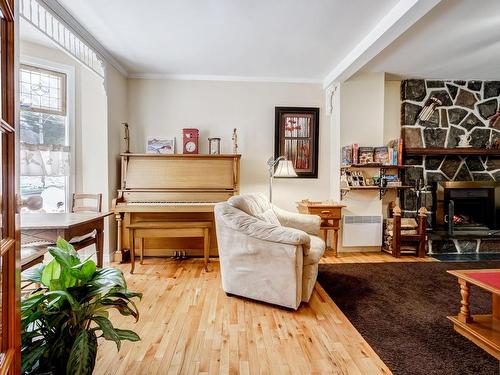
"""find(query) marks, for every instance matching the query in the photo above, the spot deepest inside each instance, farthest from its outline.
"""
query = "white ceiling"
(457, 39)
(275, 39)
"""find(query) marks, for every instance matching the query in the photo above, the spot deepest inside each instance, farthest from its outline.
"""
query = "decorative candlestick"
(126, 138)
(235, 141)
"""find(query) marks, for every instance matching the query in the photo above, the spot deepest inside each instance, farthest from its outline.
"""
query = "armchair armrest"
(307, 223)
(255, 228)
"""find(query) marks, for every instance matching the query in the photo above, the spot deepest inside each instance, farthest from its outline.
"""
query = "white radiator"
(363, 230)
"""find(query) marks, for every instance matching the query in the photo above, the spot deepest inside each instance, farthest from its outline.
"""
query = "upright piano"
(182, 188)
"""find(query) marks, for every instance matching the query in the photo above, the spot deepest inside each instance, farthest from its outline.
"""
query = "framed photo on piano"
(160, 145)
(296, 137)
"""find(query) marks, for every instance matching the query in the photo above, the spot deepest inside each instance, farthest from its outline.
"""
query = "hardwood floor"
(189, 326)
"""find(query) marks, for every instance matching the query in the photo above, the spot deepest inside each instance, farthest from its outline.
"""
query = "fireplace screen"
(466, 206)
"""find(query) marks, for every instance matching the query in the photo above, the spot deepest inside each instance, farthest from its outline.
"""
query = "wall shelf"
(452, 151)
(376, 166)
(382, 190)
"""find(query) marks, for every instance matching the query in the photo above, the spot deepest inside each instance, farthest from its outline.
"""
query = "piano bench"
(141, 230)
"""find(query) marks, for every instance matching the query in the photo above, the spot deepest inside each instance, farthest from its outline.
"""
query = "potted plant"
(62, 320)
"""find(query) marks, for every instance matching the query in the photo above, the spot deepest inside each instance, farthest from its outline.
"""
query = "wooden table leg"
(464, 314)
(206, 247)
(335, 241)
(325, 237)
(99, 245)
(132, 250)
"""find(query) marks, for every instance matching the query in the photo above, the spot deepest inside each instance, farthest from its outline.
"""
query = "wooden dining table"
(68, 225)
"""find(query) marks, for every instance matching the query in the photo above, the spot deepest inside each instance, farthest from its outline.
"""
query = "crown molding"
(203, 77)
(71, 22)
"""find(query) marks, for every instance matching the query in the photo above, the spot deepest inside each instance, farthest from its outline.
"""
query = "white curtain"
(45, 160)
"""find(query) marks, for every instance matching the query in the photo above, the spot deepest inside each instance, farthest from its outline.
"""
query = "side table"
(330, 214)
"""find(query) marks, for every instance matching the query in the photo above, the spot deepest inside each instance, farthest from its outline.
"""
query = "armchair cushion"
(316, 251)
(308, 223)
(256, 228)
(251, 204)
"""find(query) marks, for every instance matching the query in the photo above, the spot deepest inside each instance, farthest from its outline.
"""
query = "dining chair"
(83, 202)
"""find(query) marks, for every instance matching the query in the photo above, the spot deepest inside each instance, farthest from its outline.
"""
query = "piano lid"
(198, 172)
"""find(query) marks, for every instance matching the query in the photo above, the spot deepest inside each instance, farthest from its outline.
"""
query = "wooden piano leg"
(206, 246)
(132, 250)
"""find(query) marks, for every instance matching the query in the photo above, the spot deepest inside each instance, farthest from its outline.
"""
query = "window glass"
(44, 149)
(42, 90)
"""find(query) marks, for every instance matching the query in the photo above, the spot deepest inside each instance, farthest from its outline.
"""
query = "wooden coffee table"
(483, 330)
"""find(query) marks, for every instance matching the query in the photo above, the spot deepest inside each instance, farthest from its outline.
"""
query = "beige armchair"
(266, 253)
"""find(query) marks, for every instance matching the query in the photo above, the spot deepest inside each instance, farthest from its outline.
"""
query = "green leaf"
(32, 301)
(51, 271)
(31, 355)
(122, 306)
(83, 354)
(87, 270)
(126, 334)
(34, 274)
(123, 293)
(63, 257)
(108, 277)
(62, 244)
(61, 293)
(67, 279)
(108, 331)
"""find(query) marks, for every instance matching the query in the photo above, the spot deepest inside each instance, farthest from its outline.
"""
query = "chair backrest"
(252, 204)
(86, 202)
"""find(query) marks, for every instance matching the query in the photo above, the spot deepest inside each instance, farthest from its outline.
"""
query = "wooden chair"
(408, 237)
(80, 205)
(80, 199)
(31, 256)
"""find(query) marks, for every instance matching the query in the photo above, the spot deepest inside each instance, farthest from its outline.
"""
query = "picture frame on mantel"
(296, 136)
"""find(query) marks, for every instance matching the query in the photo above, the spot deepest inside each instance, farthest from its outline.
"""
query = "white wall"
(392, 111)
(362, 122)
(116, 90)
(164, 107)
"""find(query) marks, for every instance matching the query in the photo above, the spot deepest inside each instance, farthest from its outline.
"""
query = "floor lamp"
(279, 167)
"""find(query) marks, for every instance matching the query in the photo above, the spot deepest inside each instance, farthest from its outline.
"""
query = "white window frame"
(70, 115)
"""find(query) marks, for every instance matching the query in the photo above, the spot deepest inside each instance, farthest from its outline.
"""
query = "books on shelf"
(381, 155)
(347, 155)
(392, 154)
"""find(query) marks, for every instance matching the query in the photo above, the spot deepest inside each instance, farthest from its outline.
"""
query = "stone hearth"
(466, 108)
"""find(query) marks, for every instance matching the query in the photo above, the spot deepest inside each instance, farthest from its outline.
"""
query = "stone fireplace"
(467, 108)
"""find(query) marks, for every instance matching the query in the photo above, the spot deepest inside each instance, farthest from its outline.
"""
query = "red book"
(355, 156)
(400, 151)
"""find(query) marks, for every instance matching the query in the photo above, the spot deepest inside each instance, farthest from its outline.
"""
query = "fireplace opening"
(466, 206)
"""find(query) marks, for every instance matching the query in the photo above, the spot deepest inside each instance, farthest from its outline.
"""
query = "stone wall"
(467, 107)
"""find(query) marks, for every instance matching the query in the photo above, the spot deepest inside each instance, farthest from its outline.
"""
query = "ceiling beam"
(60, 12)
(399, 19)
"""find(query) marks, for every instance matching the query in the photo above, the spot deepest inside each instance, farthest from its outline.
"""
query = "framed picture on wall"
(296, 136)
(160, 145)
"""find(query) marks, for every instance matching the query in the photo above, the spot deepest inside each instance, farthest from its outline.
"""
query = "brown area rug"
(400, 309)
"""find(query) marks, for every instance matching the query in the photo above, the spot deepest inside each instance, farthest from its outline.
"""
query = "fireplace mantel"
(452, 151)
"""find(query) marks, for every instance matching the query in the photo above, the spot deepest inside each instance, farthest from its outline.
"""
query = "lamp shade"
(285, 169)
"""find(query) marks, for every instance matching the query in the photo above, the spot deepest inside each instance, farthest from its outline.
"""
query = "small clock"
(190, 141)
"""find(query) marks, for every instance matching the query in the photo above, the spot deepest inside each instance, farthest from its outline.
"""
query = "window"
(45, 152)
